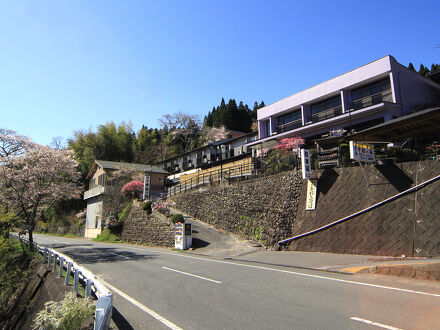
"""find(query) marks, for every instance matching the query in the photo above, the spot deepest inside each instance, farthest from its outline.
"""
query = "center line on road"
(119, 255)
(203, 278)
(295, 273)
(380, 325)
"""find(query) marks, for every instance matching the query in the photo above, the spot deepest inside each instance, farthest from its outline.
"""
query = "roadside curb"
(420, 270)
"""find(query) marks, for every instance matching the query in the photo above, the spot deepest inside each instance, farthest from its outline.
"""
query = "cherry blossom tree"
(33, 177)
(290, 144)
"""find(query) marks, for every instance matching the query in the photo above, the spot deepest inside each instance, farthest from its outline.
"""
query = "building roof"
(419, 123)
(109, 165)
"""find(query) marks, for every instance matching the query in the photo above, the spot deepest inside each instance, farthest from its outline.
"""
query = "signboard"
(306, 164)
(362, 152)
(146, 192)
(312, 190)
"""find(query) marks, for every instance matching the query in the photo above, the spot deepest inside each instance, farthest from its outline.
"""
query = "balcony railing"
(370, 100)
(326, 114)
(289, 126)
(95, 191)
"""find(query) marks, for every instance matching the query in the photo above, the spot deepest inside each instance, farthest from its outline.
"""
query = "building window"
(101, 180)
(289, 121)
(371, 94)
(326, 109)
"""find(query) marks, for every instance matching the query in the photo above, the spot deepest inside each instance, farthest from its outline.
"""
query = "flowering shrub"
(132, 189)
(288, 144)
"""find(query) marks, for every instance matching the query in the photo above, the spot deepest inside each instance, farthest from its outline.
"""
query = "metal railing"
(326, 114)
(373, 99)
(211, 177)
(289, 126)
(81, 275)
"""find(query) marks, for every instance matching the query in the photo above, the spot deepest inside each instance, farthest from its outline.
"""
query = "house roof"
(109, 165)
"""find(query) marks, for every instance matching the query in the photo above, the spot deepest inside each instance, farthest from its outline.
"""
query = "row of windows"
(374, 93)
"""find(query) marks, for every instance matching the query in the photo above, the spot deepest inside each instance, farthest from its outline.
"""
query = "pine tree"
(411, 67)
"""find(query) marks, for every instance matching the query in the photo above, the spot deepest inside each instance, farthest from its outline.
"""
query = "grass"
(107, 236)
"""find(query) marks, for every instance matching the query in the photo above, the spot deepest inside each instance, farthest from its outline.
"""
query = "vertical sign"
(178, 239)
(306, 164)
(146, 192)
(311, 194)
(362, 152)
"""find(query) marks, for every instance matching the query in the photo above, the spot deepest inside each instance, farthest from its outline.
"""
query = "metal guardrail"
(81, 275)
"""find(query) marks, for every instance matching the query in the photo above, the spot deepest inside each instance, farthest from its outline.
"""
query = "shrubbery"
(107, 236)
(146, 206)
(177, 218)
(67, 314)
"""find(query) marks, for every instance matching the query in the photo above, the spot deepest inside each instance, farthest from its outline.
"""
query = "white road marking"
(201, 277)
(119, 255)
(380, 325)
(161, 319)
(296, 273)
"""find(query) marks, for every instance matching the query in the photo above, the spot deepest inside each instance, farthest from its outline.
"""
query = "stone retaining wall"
(273, 208)
(155, 229)
(262, 210)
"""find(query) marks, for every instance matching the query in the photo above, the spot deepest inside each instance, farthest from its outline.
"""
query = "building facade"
(369, 95)
(97, 188)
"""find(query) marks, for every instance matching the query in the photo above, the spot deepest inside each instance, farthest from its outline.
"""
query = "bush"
(69, 313)
(132, 189)
(177, 218)
(123, 214)
(107, 236)
(146, 206)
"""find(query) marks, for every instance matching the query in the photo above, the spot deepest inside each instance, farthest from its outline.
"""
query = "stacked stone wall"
(155, 229)
(273, 208)
(262, 210)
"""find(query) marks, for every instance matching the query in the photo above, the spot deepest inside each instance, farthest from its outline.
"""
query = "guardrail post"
(76, 281)
(60, 271)
(36, 253)
(68, 271)
(49, 258)
(45, 255)
(55, 258)
(89, 283)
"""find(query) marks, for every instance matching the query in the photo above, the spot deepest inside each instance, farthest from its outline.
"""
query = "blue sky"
(71, 65)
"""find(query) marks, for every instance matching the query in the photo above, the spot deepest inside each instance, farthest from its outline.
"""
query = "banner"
(312, 189)
(306, 164)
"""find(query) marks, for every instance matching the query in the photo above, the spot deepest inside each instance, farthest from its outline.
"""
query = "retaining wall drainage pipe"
(331, 224)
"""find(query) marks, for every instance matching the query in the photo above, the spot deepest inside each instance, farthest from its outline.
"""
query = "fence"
(93, 287)
(211, 177)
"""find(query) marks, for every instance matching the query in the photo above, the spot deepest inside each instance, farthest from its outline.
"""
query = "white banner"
(306, 163)
(312, 190)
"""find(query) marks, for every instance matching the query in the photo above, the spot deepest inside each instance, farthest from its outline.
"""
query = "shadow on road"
(120, 320)
(105, 254)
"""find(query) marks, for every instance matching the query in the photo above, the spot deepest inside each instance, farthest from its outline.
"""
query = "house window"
(101, 180)
(160, 179)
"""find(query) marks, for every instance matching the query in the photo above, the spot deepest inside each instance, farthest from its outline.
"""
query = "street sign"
(362, 152)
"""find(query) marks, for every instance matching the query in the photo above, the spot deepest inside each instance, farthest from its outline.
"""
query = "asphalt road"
(158, 289)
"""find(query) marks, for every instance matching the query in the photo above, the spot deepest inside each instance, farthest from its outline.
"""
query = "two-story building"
(369, 95)
(209, 155)
(97, 176)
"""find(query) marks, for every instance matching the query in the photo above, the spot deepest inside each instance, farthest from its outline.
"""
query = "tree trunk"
(31, 240)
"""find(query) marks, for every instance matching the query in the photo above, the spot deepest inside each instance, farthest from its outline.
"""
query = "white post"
(143, 193)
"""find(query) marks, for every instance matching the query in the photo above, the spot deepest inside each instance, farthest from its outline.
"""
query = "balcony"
(95, 191)
(370, 100)
(289, 126)
(327, 114)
